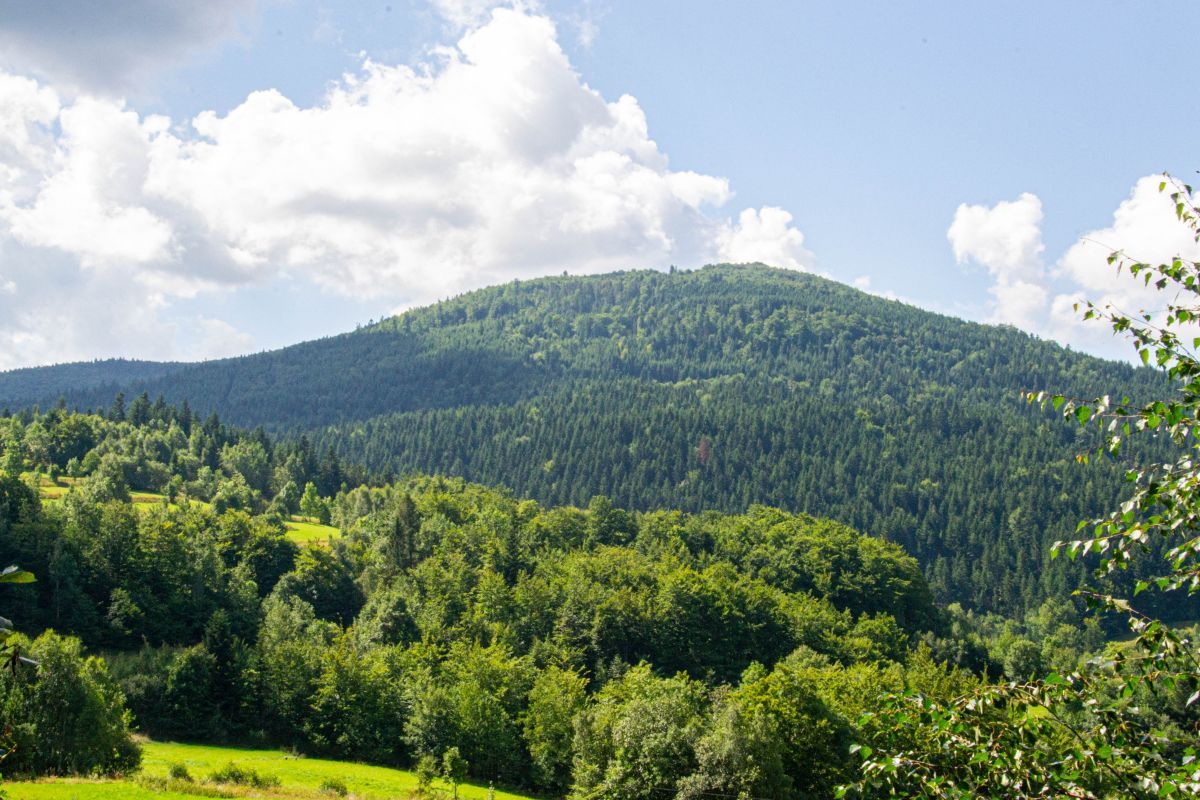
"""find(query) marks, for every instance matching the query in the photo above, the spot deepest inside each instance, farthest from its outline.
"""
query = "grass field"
(304, 531)
(298, 777)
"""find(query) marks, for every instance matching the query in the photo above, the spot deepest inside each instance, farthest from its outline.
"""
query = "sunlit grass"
(299, 778)
(305, 531)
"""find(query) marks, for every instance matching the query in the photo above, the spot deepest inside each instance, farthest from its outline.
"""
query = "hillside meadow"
(301, 530)
(299, 777)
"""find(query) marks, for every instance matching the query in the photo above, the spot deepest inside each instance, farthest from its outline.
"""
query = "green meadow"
(304, 531)
(298, 777)
(301, 530)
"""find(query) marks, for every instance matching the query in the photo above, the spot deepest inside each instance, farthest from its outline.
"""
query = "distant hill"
(20, 388)
(719, 388)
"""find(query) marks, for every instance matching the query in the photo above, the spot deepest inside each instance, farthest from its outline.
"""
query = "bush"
(179, 772)
(428, 769)
(334, 786)
(243, 776)
(66, 714)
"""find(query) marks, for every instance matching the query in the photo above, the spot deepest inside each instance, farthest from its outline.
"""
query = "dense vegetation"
(597, 651)
(715, 389)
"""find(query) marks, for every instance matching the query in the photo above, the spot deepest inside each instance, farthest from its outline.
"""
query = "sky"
(185, 180)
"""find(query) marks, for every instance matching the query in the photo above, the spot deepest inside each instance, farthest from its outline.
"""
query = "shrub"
(334, 786)
(428, 769)
(243, 776)
(179, 772)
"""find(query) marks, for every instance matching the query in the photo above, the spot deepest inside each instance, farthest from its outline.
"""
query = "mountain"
(713, 389)
(23, 387)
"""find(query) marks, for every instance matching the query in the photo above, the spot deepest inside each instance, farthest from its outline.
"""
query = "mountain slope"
(717, 388)
(24, 387)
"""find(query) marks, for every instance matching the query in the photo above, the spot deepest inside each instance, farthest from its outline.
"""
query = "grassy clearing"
(52, 492)
(302, 530)
(48, 489)
(71, 789)
(299, 778)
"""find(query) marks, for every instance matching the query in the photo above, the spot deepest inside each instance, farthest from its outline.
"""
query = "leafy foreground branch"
(1125, 726)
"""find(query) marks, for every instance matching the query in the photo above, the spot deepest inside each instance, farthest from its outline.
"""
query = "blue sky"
(197, 180)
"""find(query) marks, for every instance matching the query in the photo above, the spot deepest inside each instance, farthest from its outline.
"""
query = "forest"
(595, 652)
(715, 389)
(539, 641)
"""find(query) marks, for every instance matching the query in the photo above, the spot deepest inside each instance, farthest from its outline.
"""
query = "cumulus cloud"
(110, 47)
(1006, 239)
(1145, 229)
(404, 184)
(765, 235)
(219, 339)
(467, 13)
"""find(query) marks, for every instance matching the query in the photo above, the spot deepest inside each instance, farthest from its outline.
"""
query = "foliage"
(335, 787)
(454, 768)
(555, 700)
(448, 616)
(179, 772)
(638, 740)
(243, 776)
(66, 714)
(427, 772)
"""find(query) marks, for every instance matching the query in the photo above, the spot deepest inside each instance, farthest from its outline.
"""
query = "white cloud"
(1006, 239)
(89, 204)
(765, 235)
(220, 339)
(110, 47)
(404, 184)
(1144, 227)
(467, 13)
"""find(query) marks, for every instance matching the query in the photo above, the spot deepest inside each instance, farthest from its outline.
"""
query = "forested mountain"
(713, 389)
(22, 387)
